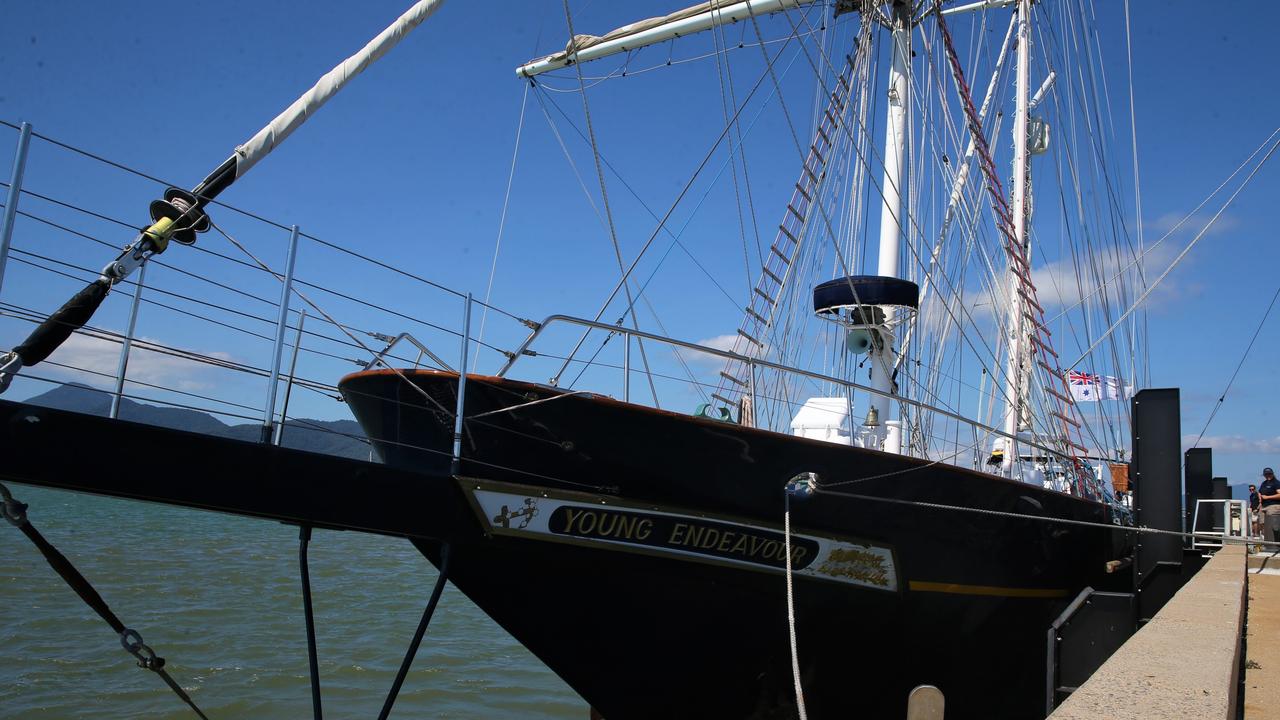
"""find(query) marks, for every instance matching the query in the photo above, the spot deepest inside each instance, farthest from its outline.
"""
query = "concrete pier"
(1186, 662)
(1261, 686)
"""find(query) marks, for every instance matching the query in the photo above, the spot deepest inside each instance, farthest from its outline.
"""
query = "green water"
(219, 598)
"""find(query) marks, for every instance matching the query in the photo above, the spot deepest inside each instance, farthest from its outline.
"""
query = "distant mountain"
(332, 437)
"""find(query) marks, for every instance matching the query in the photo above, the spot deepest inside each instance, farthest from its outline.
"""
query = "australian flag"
(1086, 387)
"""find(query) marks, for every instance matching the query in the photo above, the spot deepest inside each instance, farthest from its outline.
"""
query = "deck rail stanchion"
(11, 199)
(626, 367)
(125, 347)
(456, 465)
(293, 372)
(282, 324)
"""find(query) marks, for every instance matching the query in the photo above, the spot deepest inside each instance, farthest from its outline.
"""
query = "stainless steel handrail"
(757, 362)
(380, 356)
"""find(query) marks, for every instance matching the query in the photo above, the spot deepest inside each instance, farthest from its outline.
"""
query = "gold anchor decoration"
(506, 515)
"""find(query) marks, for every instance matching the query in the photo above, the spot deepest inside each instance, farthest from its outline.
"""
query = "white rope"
(791, 609)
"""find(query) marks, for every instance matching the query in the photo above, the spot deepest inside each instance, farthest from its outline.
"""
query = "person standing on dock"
(1255, 506)
(1269, 493)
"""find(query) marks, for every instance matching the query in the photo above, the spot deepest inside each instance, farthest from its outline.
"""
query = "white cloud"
(1235, 444)
(1061, 286)
(1166, 223)
(92, 355)
(718, 342)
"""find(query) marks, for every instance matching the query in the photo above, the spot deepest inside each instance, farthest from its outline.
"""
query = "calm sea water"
(219, 598)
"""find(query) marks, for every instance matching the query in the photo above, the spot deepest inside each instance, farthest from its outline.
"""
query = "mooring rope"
(791, 606)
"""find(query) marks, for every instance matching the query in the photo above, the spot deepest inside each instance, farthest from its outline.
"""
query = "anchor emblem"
(505, 516)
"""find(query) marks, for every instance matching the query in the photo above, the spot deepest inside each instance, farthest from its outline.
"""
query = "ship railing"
(753, 366)
(391, 342)
(251, 326)
(226, 330)
(1225, 518)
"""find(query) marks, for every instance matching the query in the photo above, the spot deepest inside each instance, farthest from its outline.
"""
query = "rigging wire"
(1137, 190)
(502, 220)
(1223, 396)
(679, 197)
(398, 373)
(253, 216)
(1146, 293)
(608, 212)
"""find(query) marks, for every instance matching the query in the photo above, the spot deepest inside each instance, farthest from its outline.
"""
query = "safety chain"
(16, 513)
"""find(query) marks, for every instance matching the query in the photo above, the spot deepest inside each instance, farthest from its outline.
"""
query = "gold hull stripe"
(959, 589)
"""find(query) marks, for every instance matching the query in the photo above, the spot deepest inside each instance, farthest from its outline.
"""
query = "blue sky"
(410, 163)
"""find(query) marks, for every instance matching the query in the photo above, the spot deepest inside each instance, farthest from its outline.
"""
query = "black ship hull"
(639, 554)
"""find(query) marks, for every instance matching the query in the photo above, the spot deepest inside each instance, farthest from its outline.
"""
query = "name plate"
(529, 512)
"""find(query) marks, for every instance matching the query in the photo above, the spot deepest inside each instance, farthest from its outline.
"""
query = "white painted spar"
(983, 5)
(891, 215)
(1015, 392)
(649, 32)
(266, 140)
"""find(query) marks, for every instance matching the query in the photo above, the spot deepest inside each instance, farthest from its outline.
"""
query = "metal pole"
(282, 323)
(626, 368)
(123, 366)
(751, 393)
(456, 466)
(15, 189)
(293, 369)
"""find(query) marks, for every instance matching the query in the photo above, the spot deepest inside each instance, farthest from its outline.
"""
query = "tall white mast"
(891, 212)
(1014, 372)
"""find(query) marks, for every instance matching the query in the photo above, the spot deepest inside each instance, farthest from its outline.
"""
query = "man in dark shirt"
(1269, 493)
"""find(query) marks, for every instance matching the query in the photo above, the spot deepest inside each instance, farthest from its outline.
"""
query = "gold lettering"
(756, 542)
(613, 524)
(771, 548)
(586, 528)
(710, 539)
(695, 535)
(677, 534)
(644, 529)
(569, 516)
(741, 545)
(797, 554)
(860, 565)
(724, 541)
(626, 526)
